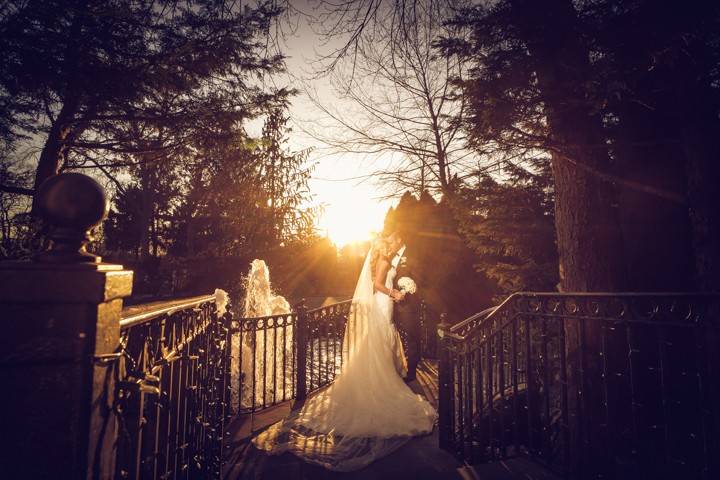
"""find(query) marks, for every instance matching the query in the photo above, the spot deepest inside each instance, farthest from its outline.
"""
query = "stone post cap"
(70, 205)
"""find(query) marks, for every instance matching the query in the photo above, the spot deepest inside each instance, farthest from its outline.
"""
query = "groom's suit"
(406, 314)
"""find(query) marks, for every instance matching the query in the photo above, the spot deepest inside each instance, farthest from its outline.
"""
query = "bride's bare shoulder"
(380, 265)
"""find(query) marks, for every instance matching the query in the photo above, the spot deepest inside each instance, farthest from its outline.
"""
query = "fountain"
(261, 301)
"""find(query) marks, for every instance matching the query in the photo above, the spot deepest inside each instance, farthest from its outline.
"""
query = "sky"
(353, 205)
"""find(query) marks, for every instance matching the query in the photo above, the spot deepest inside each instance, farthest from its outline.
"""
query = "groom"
(406, 314)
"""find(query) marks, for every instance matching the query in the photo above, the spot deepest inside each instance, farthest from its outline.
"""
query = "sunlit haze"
(352, 211)
(352, 207)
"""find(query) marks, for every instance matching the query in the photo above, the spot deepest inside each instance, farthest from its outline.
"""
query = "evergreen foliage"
(624, 97)
(509, 225)
(103, 81)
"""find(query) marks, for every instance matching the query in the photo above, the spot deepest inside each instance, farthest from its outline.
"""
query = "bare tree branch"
(17, 190)
(400, 90)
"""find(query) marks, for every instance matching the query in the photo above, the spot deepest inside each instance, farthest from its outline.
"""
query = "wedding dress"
(368, 411)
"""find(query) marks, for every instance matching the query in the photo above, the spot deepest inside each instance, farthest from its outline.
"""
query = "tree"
(100, 80)
(200, 221)
(657, 75)
(528, 91)
(284, 177)
(395, 91)
(245, 195)
(614, 92)
(15, 238)
(142, 218)
(606, 89)
(509, 224)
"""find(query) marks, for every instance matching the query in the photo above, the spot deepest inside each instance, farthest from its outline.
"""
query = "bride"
(368, 411)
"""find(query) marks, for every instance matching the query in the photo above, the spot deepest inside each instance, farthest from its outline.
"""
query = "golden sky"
(353, 207)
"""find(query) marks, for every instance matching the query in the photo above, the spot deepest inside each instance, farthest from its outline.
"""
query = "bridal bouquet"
(407, 285)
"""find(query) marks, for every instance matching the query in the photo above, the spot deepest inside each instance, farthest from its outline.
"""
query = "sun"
(352, 210)
(348, 220)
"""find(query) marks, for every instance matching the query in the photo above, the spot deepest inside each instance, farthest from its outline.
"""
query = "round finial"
(70, 204)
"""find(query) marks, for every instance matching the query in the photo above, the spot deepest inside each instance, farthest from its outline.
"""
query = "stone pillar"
(60, 333)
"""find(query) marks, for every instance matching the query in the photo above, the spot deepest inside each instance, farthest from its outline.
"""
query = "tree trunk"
(588, 234)
(702, 162)
(53, 151)
(589, 239)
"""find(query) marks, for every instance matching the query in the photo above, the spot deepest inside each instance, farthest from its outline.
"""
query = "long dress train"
(368, 411)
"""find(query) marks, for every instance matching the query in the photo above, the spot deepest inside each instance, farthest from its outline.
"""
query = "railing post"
(445, 384)
(424, 332)
(301, 350)
(61, 318)
(228, 410)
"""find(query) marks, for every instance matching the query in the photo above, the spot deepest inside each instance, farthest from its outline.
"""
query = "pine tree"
(509, 223)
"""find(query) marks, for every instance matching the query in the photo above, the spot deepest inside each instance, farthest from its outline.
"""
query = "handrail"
(158, 341)
(541, 371)
(487, 312)
(267, 317)
(497, 310)
(330, 305)
(151, 311)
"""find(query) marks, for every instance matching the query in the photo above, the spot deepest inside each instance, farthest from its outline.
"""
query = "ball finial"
(71, 205)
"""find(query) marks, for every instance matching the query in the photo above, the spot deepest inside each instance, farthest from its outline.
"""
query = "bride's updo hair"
(380, 249)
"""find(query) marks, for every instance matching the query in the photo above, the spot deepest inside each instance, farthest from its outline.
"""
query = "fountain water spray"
(261, 301)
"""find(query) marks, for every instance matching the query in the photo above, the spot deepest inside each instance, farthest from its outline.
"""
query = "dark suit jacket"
(410, 268)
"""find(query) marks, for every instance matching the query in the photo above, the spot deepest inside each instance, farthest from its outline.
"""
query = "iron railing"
(429, 321)
(284, 357)
(590, 385)
(288, 356)
(264, 360)
(325, 327)
(172, 390)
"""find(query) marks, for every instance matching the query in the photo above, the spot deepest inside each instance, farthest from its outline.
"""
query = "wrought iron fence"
(429, 321)
(325, 328)
(283, 357)
(173, 390)
(287, 356)
(264, 361)
(590, 385)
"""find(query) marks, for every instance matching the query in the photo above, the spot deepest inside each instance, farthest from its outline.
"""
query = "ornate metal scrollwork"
(326, 327)
(554, 375)
(173, 393)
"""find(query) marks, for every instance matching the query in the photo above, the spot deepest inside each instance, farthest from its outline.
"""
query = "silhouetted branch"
(17, 190)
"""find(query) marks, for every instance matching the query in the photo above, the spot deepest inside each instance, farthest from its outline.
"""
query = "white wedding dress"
(368, 411)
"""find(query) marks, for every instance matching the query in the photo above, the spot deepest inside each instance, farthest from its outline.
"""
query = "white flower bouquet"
(407, 285)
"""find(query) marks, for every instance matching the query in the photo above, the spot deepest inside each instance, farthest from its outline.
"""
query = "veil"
(356, 330)
(368, 411)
